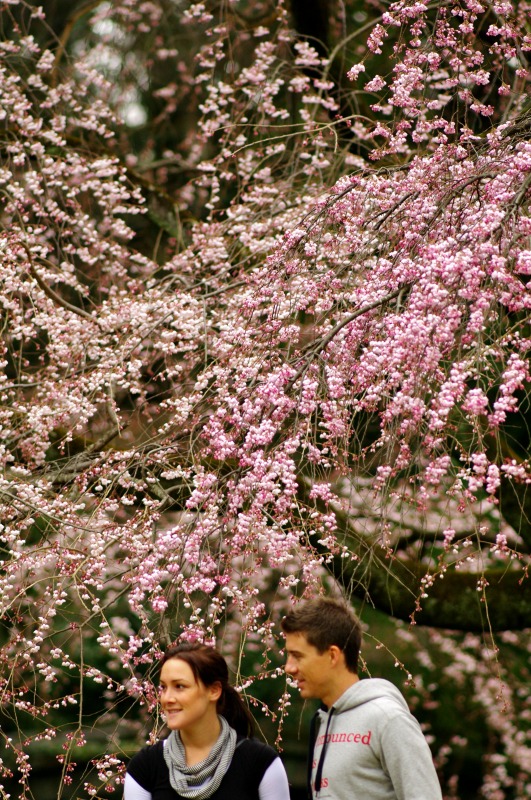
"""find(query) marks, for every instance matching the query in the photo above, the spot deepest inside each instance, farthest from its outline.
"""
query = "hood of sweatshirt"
(366, 690)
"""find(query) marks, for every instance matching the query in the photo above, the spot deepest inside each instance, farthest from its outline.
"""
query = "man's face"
(309, 667)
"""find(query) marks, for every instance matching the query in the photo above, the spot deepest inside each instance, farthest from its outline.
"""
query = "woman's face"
(185, 702)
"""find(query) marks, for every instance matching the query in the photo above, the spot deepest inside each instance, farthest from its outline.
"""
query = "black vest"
(241, 781)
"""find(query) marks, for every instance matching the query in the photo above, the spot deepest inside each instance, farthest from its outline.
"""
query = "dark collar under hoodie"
(368, 746)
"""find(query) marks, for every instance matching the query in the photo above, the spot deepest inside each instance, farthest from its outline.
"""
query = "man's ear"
(336, 655)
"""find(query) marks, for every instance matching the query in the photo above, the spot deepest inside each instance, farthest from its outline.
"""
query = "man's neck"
(340, 686)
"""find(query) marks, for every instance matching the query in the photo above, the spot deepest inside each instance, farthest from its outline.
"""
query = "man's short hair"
(326, 622)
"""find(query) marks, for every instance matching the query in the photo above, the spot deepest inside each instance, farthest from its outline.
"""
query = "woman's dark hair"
(209, 667)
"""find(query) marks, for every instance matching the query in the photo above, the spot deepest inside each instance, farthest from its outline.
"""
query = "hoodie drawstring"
(311, 745)
(319, 773)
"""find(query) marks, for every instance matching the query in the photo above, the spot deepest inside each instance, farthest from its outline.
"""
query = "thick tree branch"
(494, 599)
(455, 601)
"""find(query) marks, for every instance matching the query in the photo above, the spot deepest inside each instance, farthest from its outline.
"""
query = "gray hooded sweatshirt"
(370, 747)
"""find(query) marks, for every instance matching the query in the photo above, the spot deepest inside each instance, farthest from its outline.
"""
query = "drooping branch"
(515, 506)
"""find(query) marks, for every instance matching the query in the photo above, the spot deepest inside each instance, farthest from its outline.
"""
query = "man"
(365, 744)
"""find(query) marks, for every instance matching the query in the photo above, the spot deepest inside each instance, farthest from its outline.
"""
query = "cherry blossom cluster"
(446, 79)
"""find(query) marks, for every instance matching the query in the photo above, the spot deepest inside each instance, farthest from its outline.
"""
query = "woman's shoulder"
(150, 754)
(250, 762)
(148, 769)
(255, 751)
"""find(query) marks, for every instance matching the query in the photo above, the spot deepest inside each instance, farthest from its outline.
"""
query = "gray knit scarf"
(203, 779)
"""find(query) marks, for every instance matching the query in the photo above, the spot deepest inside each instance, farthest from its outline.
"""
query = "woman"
(209, 752)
